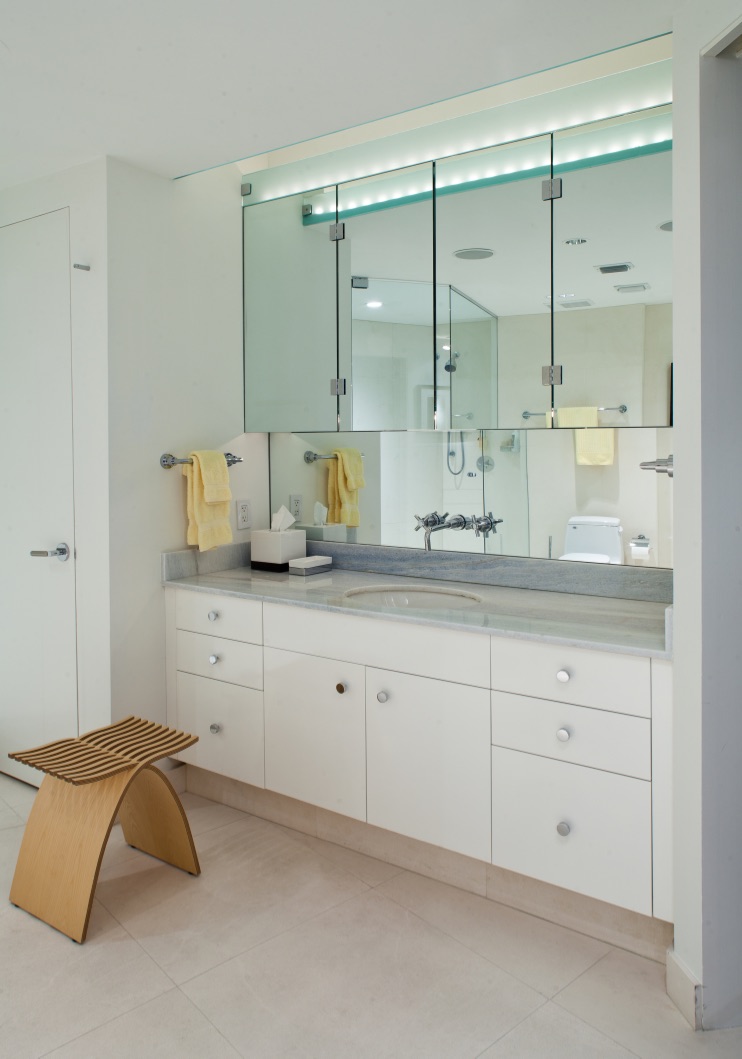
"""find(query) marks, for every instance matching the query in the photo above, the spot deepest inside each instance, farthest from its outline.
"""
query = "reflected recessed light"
(632, 288)
(666, 227)
(575, 242)
(374, 305)
(473, 253)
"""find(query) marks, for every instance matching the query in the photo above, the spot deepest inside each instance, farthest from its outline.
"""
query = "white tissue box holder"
(272, 549)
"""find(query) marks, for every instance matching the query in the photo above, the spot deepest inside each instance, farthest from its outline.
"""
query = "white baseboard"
(683, 990)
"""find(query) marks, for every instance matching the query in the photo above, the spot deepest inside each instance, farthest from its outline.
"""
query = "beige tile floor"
(292, 946)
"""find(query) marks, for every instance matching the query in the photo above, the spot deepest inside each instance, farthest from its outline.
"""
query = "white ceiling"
(180, 87)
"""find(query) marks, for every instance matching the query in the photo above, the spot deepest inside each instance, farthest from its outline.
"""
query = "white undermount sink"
(401, 596)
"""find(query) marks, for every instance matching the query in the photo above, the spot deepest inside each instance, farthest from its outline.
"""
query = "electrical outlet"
(295, 505)
(244, 518)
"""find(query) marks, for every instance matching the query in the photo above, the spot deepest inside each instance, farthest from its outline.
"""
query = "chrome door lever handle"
(61, 552)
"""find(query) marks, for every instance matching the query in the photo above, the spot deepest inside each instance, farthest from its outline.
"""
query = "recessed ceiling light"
(621, 266)
(374, 305)
(473, 253)
(632, 288)
(575, 242)
(666, 227)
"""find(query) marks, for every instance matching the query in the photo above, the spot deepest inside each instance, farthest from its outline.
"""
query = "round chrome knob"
(563, 734)
(563, 676)
(213, 659)
(215, 728)
(341, 688)
(382, 696)
(563, 828)
(213, 615)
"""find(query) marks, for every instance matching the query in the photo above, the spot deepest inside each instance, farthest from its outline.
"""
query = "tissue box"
(272, 549)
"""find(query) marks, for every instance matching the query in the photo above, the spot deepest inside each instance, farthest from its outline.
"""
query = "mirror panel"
(613, 271)
(493, 247)
(528, 478)
(385, 284)
(290, 317)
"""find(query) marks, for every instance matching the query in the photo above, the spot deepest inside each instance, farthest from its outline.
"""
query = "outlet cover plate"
(244, 515)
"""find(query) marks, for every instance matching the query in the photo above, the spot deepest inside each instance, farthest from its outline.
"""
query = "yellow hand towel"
(593, 448)
(344, 479)
(207, 500)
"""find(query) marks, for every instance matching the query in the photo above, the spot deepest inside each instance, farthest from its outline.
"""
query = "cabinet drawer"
(607, 853)
(225, 616)
(572, 674)
(609, 741)
(315, 731)
(236, 749)
(445, 654)
(236, 663)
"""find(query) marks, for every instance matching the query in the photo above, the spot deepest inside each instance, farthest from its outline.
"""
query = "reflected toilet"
(593, 539)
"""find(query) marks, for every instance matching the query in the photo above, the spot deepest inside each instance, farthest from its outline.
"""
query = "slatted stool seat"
(88, 782)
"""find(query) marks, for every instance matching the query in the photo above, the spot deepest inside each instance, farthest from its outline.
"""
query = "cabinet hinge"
(337, 387)
(551, 189)
(360, 282)
(551, 375)
(246, 189)
(337, 232)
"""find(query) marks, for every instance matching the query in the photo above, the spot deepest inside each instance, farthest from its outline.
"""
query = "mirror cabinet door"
(290, 315)
(385, 300)
(613, 272)
(493, 270)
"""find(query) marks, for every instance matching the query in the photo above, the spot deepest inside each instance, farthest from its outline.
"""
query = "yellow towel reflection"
(344, 479)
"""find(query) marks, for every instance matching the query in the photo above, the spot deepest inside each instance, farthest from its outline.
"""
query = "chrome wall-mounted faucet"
(433, 522)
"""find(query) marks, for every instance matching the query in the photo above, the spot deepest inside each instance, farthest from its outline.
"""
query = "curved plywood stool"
(89, 781)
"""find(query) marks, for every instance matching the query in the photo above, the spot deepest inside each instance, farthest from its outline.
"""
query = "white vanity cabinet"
(419, 744)
(215, 681)
(428, 760)
(571, 773)
(315, 731)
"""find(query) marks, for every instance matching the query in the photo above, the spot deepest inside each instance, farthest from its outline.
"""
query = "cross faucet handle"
(485, 524)
(430, 520)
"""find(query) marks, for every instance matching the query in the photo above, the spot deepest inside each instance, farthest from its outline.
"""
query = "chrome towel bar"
(310, 457)
(622, 408)
(167, 461)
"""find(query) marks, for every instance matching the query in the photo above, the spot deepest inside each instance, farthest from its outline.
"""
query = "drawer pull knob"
(563, 734)
(213, 615)
(215, 728)
(341, 688)
(213, 659)
(382, 696)
(563, 676)
(563, 828)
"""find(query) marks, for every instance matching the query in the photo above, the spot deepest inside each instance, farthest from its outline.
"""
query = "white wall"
(175, 384)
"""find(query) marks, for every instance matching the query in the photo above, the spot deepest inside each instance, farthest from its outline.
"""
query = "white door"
(38, 666)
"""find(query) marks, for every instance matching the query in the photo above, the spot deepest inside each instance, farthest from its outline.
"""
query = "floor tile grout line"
(203, 1014)
(106, 1022)
(279, 934)
(317, 838)
(512, 1029)
(468, 948)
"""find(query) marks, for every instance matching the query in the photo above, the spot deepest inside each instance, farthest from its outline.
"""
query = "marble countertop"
(620, 625)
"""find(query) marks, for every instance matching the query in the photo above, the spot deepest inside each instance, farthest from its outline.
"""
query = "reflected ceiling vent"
(631, 288)
(568, 301)
(576, 241)
(620, 266)
(666, 227)
(473, 253)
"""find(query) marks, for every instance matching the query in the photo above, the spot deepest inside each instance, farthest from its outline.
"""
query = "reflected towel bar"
(622, 408)
(167, 461)
(310, 457)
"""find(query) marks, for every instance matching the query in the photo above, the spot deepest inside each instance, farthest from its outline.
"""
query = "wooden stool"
(89, 780)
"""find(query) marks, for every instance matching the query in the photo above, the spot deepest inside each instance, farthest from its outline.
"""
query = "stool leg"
(62, 849)
(153, 820)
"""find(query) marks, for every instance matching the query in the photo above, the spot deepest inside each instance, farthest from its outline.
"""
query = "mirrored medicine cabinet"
(432, 310)
(440, 295)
